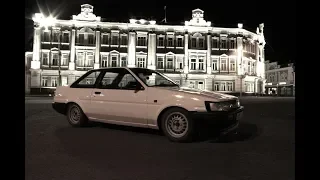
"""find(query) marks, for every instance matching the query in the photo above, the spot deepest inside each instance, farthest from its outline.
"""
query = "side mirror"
(138, 88)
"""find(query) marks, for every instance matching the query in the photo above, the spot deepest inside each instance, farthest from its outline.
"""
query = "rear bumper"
(59, 107)
(221, 122)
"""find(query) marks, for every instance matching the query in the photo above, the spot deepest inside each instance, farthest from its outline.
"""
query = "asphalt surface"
(262, 150)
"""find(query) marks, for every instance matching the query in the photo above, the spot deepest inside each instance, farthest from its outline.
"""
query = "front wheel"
(177, 125)
(75, 116)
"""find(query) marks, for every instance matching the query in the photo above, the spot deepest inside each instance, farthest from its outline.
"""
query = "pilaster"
(132, 49)
(209, 68)
(186, 54)
(97, 53)
(72, 65)
(152, 51)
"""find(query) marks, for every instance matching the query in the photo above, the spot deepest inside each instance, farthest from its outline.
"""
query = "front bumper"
(59, 107)
(221, 122)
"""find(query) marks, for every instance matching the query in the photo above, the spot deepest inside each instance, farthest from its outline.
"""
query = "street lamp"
(47, 22)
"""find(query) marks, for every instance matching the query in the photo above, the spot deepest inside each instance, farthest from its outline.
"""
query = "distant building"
(280, 80)
(229, 60)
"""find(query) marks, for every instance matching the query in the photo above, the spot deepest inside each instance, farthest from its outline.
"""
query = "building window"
(45, 58)
(201, 64)
(193, 42)
(254, 68)
(249, 67)
(160, 63)
(193, 64)
(55, 58)
(216, 86)
(104, 61)
(170, 42)
(232, 64)
(91, 39)
(201, 85)
(249, 86)
(223, 86)
(229, 86)
(81, 38)
(201, 43)
(80, 59)
(85, 59)
(179, 42)
(223, 66)
(89, 59)
(65, 38)
(232, 44)
(124, 40)
(215, 64)
(46, 36)
(169, 63)
(54, 81)
(56, 35)
(215, 43)
(65, 60)
(161, 41)
(114, 60)
(223, 44)
(123, 61)
(141, 62)
(105, 39)
(142, 41)
(179, 62)
(114, 39)
(44, 81)
(196, 84)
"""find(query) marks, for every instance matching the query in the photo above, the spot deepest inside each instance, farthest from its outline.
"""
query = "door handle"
(97, 92)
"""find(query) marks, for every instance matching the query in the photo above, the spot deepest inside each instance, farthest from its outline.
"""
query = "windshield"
(153, 78)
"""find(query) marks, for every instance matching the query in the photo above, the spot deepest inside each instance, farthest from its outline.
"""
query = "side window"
(128, 82)
(109, 80)
(87, 80)
(118, 79)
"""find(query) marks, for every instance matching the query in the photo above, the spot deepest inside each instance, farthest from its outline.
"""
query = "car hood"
(204, 93)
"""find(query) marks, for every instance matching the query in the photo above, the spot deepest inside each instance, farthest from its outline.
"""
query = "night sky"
(279, 18)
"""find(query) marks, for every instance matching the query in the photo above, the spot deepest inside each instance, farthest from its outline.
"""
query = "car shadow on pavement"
(128, 128)
(245, 132)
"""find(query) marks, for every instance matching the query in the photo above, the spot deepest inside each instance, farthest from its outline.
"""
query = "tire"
(183, 131)
(75, 116)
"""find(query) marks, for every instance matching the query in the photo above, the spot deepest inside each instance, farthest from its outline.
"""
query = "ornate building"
(280, 80)
(229, 60)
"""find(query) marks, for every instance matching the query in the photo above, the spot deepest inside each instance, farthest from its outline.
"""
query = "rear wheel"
(177, 125)
(75, 116)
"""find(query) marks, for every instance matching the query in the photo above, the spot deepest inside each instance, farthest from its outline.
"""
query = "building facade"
(197, 55)
(280, 81)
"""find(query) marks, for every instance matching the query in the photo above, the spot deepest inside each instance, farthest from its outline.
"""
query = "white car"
(145, 98)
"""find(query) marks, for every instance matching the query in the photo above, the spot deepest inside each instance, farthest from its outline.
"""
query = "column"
(132, 49)
(35, 63)
(152, 47)
(97, 53)
(186, 53)
(239, 56)
(209, 68)
(72, 50)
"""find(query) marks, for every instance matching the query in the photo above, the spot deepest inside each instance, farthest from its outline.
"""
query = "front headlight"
(222, 106)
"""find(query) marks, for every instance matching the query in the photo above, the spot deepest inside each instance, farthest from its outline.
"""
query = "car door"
(117, 99)
(82, 89)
